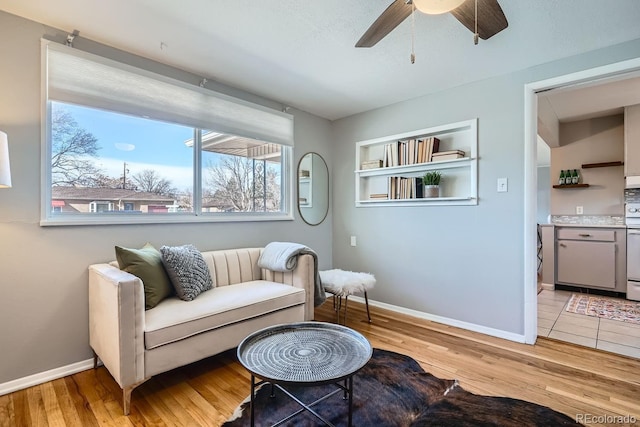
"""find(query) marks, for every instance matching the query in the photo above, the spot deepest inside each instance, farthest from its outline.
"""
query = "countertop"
(585, 225)
(591, 221)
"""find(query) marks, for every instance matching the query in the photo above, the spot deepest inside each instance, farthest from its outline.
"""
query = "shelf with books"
(419, 167)
(450, 149)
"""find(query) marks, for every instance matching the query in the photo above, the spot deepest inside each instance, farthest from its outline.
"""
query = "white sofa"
(134, 344)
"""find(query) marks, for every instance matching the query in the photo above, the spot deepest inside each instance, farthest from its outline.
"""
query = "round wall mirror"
(313, 188)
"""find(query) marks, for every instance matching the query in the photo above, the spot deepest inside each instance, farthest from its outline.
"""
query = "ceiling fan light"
(436, 7)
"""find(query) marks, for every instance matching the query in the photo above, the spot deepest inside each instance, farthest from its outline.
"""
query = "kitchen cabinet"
(375, 186)
(632, 140)
(591, 257)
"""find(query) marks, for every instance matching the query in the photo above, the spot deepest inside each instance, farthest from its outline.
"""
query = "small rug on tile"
(393, 390)
(606, 308)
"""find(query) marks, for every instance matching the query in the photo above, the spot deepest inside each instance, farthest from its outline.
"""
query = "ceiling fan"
(482, 17)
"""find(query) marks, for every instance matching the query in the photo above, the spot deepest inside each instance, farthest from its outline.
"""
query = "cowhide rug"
(393, 390)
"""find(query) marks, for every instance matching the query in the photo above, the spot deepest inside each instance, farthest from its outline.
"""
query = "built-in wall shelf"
(571, 186)
(601, 165)
(394, 180)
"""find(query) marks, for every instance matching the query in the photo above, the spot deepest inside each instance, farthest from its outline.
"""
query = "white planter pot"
(431, 191)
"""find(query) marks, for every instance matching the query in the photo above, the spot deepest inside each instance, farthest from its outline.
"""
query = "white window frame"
(93, 206)
(262, 131)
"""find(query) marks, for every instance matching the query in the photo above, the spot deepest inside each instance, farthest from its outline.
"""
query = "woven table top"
(305, 352)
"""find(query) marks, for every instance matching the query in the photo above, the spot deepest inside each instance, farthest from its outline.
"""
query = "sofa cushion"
(187, 270)
(146, 263)
(175, 319)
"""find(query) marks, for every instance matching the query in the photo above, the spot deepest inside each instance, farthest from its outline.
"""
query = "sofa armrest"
(116, 322)
(303, 276)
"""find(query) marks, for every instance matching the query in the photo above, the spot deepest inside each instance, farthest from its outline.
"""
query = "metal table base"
(347, 389)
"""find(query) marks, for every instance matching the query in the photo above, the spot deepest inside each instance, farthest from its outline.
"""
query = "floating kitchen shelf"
(571, 186)
(601, 165)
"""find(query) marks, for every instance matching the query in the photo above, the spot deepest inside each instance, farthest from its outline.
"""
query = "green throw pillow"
(146, 263)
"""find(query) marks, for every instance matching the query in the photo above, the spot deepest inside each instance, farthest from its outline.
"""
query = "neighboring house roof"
(217, 202)
(91, 194)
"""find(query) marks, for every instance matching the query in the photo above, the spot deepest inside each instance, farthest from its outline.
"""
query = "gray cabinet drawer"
(586, 234)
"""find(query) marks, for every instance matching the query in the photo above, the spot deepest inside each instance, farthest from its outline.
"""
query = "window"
(126, 146)
(240, 174)
(101, 206)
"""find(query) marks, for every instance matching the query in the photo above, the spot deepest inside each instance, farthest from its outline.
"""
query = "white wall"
(464, 263)
(43, 270)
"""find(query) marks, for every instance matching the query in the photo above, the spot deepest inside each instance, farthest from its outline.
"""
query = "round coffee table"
(305, 354)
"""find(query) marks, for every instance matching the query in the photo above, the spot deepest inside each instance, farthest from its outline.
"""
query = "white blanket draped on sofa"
(283, 256)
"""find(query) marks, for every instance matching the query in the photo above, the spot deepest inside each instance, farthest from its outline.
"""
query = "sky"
(141, 143)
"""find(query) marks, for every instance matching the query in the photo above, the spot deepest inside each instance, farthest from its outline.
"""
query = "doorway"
(594, 76)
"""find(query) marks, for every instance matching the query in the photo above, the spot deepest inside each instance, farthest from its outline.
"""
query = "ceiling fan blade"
(397, 12)
(491, 19)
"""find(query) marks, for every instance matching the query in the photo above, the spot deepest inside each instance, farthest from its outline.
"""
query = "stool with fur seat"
(343, 283)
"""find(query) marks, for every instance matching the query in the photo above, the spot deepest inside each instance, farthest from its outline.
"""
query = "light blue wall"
(464, 263)
(43, 271)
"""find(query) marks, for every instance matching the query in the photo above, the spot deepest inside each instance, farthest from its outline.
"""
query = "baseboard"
(547, 286)
(444, 320)
(43, 377)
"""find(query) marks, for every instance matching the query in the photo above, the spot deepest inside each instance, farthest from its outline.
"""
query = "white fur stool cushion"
(341, 282)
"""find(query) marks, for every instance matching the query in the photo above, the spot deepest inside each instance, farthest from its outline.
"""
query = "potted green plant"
(431, 183)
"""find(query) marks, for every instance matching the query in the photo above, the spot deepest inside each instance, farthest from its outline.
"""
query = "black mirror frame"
(326, 212)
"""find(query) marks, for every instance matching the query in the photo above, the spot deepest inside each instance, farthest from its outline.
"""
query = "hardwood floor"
(570, 379)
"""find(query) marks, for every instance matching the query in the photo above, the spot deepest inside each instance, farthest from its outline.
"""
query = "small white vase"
(431, 191)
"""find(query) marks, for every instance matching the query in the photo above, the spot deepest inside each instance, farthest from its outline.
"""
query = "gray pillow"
(187, 270)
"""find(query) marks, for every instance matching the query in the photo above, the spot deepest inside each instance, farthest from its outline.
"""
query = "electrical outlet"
(353, 240)
(579, 210)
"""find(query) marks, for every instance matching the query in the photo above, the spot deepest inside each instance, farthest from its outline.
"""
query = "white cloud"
(123, 146)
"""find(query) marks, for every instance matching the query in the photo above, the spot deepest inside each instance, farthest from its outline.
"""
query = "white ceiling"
(594, 99)
(300, 52)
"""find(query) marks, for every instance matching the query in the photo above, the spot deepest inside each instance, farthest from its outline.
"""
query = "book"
(433, 145)
(442, 153)
(448, 155)
(371, 164)
(420, 151)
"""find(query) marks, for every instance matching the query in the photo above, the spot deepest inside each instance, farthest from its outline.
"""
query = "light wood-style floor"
(568, 378)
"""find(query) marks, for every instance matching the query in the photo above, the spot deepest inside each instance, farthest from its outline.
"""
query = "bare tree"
(101, 180)
(72, 148)
(185, 200)
(150, 181)
(239, 182)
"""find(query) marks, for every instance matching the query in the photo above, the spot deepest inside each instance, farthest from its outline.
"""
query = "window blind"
(83, 78)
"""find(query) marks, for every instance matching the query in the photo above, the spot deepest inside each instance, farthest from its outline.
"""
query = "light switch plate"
(503, 185)
(579, 210)
(353, 240)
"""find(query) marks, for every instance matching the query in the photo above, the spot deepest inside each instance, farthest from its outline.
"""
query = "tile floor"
(589, 331)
